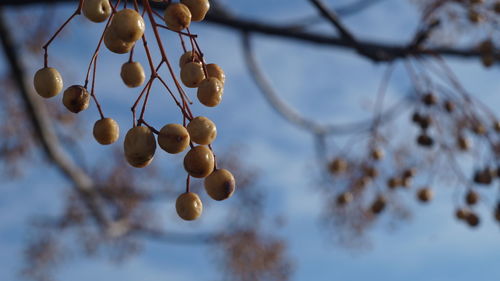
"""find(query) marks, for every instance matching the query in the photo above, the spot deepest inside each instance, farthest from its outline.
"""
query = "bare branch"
(44, 130)
(334, 20)
(296, 118)
(373, 50)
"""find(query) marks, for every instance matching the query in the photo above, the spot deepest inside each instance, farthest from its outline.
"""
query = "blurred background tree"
(417, 129)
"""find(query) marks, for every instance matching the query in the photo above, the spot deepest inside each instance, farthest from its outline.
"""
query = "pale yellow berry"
(173, 138)
(202, 130)
(48, 82)
(188, 206)
(198, 8)
(132, 74)
(199, 162)
(128, 25)
(177, 16)
(188, 57)
(76, 98)
(216, 71)
(220, 184)
(115, 44)
(139, 146)
(96, 10)
(192, 74)
(106, 131)
(210, 92)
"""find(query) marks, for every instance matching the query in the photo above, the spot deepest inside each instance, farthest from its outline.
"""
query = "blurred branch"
(335, 21)
(372, 50)
(296, 118)
(44, 131)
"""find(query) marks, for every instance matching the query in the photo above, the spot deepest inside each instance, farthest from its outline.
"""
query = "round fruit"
(429, 99)
(198, 8)
(188, 57)
(199, 162)
(76, 98)
(115, 44)
(471, 197)
(463, 143)
(377, 154)
(177, 16)
(210, 92)
(220, 184)
(344, 198)
(192, 74)
(48, 82)
(472, 219)
(96, 10)
(425, 140)
(139, 146)
(215, 71)
(425, 195)
(188, 206)
(173, 138)
(461, 213)
(128, 25)
(337, 166)
(392, 183)
(449, 106)
(378, 205)
(132, 74)
(202, 130)
(106, 131)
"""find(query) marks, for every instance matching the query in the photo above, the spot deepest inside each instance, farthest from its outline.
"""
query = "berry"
(220, 184)
(96, 10)
(484, 177)
(216, 71)
(115, 44)
(461, 213)
(192, 74)
(463, 143)
(471, 198)
(199, 162)
(48, 82)
(198, 8)
(496, 126)
(425, 140)
(128, 25)
(392, 183)
(425, 194)
(377, 154)
(449, 106)
(472, 219)
(202, 130)
(188, 206)
(106, 131)
(479, 129)
(475, 16)
(370, 171)
(378, 205)
(425, 121)
(139, 146)
(173, 138)
(337, 166)
(132, 74)
(344, 198)
(429, 99)
(409, 173)
(189, 57)
(210, 92)
(76, 98)
(177, 16)
(487, 60)
(496, 7)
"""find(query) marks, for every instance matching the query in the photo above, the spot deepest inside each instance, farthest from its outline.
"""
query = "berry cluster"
(124, 28)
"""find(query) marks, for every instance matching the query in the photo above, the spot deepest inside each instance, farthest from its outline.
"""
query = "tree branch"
(373, 50)
(296, 118)
(44, 131)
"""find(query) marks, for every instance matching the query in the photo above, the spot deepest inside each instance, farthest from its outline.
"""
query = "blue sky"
(327, 83)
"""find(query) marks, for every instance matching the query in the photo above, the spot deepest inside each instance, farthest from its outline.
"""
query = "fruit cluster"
(124, 28)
